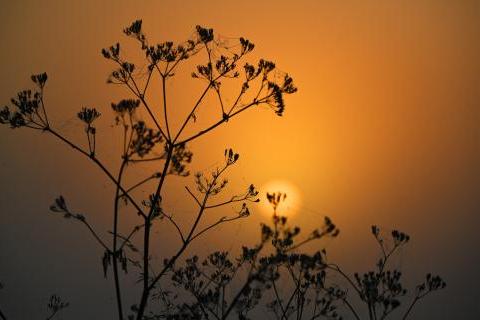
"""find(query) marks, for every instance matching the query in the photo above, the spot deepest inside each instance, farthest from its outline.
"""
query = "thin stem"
(98, 163)
(337, 269)
(170, 218)
(150, 72)
(87, 131)
(162, 157)
(297, 288)
(115, 233)
(202, 306)
(216, 124)
(187, 241)
(237, 296)
(164, 94)
(146, 238)
(193, 196)
(154, 119)
(191, 114)
(141, 96)
(43, 107)
(130, 235)
(277, 295)
(138, 184)
(410, 307)
(168, 72)
(301, 243)
(217, 90)
(233, 199)
(95, 235)
(237, 99)
(350, 307)
(220, 221)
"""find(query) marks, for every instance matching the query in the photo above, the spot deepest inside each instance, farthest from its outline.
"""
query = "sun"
(287, 207)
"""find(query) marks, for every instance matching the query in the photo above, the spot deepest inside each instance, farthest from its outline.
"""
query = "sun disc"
(289, 206)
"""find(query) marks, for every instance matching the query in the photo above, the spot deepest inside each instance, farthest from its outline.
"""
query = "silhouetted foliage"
(275, 275)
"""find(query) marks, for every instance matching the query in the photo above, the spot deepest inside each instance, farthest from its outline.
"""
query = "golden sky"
(383, 130)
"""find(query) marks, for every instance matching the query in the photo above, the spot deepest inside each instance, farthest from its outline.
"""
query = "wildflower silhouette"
(274, 274)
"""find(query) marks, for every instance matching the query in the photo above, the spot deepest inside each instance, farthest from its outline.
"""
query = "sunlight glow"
(289, 206)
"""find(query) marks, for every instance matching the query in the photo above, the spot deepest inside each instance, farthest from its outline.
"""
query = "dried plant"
(276, 275)
(279, 278)
(259, 84)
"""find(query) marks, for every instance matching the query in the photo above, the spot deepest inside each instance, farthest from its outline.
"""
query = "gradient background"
(384, 130)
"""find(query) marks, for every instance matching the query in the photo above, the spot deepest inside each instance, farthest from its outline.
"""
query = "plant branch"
(98, 163)
(193, 196)
(219, 122)
(115, 234)
(95, 235)
(336, 268)
(164, 94)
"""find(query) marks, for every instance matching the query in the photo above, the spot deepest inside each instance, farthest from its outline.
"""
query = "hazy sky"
(383, 130)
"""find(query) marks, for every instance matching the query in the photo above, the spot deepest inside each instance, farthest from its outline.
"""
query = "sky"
(384, 129)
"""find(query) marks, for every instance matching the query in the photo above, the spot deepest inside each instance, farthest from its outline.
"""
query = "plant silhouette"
(275, 275)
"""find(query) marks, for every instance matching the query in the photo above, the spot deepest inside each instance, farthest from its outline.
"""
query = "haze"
(384, 130)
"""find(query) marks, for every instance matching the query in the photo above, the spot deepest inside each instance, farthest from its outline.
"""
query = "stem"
(191, 113)
(127, 238)
(146, 237)
(297, 288)
(188, 239)
(170, 218)
(164, 94)
(217, 90)
(138, 184)
(98, 163)
(370, 314)
(193, 196)
(410, 307)
(350, 307)
(43, 107)
(150, 72)
(115, 233)
(145, 292)
(213, 126)
(95, 235)
(278, 296)
(337, 269)
(235, 299)
(162, 157)
(87, 131)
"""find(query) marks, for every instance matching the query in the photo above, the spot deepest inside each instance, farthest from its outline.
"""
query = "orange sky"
(383, 130)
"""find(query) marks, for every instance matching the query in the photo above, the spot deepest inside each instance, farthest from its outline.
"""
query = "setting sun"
(215, 149)
(289, 206)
